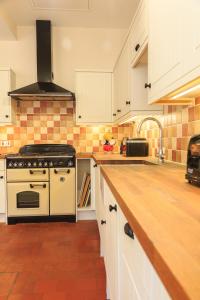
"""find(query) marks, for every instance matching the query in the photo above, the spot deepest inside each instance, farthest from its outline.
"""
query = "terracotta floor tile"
(51, 261)
(6, 282)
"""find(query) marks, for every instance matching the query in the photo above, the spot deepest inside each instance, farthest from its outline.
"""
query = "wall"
(180, 123)
(54, 122)
(73, 48)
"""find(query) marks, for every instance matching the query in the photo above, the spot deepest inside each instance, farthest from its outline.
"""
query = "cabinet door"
(5, 102)
(2, 193)
(165, 53)
(111, 244)
(94, 97)
(139, 32)
(122, 93)
(191, 41)
(62, 191)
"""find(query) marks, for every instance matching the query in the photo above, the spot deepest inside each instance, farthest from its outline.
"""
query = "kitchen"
(78, 219)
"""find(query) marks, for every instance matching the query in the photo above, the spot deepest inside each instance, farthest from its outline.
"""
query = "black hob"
(42, 156)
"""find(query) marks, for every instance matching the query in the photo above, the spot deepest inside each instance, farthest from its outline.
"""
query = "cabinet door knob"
(7, 116)
(114, 115)
(137, 47)
(112, 207)
(128, 231)
(1, 177)
(103, 222)
(79, 117)
(95, 165)
(147, 85)
(128, 102)
(119, 110)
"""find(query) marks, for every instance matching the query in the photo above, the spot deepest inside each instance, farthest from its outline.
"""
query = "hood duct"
(44, 88)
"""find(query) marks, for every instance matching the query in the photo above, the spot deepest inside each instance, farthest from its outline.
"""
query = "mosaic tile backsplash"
(179, 123)
(54, 122)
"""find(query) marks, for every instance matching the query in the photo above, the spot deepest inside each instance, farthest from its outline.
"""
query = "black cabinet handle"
(147, 85)
(1, 177)
(103, 222)
(95, 165)
(112, 207)
(62, 171)
(128, 102)
(128, 231)
(114, 115)
(137, 47)
(119, 110)
(79, 117)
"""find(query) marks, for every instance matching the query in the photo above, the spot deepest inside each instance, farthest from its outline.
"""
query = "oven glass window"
(28, 199)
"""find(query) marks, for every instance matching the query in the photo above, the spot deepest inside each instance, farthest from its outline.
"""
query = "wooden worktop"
(115, 158)
(164, 212)
(2, 156)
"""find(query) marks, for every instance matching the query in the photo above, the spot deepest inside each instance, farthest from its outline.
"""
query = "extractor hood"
(44, 88)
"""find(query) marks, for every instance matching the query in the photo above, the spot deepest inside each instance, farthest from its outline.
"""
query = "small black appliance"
(137, 147)
(193, 161)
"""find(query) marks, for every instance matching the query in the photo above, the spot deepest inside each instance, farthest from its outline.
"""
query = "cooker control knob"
(21, 164)
(70, 163)
(29, 164)
(51, 164)
(10, 164)
(40, 164)
(15, 164)
(35, 164)
(45, 164)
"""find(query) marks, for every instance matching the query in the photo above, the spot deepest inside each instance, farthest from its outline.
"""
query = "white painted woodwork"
(7, 82)
(191, 38)
(130, 274)
(2, 188)
(111, 244)
(139, 31)
(165, 53)
(93, 97)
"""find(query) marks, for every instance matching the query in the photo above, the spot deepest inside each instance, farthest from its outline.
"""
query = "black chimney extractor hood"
(44, 88)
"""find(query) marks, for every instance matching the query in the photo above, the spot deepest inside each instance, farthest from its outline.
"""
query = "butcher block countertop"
(2, 156)
(115, 158)
(164, 212)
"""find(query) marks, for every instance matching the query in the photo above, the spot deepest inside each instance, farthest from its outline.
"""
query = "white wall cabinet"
(191, 38)
(2, 191)
(93, 97)
(122, 91)
(130, 274)
(173, 47)
(7, 83)
(139, 32)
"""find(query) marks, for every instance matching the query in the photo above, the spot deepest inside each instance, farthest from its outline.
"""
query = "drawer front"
(27, 175)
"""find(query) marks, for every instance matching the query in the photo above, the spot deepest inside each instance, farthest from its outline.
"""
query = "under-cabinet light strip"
(194, 88)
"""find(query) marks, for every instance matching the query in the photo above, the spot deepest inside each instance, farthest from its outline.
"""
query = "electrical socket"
(5, 143)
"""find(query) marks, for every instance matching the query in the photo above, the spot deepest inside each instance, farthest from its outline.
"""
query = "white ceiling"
(72, 13)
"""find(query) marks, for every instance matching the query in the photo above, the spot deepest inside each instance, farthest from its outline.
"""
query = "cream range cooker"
(41, 184)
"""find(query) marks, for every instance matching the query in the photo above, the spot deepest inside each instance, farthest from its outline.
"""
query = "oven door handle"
(43, 185)
(57, 171)
(37, 171)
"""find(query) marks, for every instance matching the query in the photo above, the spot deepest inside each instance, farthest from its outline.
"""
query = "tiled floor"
(52, 261)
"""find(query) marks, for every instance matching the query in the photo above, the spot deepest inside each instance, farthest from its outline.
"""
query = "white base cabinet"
(130, 274)
(2, 191)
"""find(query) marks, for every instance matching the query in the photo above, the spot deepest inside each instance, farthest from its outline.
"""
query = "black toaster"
(137, 147)
(193, 161)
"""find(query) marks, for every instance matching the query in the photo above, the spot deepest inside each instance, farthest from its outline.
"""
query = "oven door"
(28, 199)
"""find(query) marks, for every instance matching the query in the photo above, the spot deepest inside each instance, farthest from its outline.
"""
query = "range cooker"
(41, 184)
